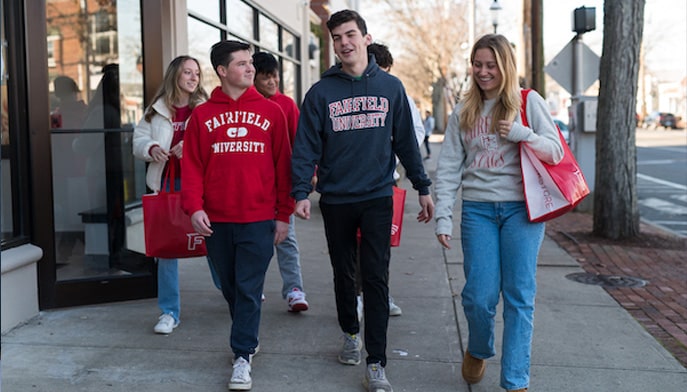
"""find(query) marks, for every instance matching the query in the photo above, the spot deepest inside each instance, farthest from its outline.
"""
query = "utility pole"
(533, 12)
(537, 27)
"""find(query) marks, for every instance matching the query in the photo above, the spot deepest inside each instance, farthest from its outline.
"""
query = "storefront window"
(203, 36)
(269, 34)
(240, 25)
(96, 98)
(6, 222)
(240, 19)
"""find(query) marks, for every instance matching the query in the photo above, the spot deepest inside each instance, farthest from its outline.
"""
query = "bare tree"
(616, 214)
(434, 36)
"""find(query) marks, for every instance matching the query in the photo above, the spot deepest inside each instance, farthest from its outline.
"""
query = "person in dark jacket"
(353, 121)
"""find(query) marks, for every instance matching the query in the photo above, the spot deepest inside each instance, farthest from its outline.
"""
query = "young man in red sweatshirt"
(267, 83)
(237, 175)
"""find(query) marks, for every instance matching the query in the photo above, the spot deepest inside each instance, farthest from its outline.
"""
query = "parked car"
(564, 129)
(667, 120)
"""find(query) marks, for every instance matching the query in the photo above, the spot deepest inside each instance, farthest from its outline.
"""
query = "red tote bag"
(550, 190)
(167, 229)
(399, 199)
(397, 218)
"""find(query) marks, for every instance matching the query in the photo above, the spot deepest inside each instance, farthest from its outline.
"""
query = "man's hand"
(280, 231)
(427, 212)
(303, 209)
(201, 223)
(444, 239)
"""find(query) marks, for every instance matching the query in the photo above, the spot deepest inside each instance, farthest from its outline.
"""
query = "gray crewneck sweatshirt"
(487, 165)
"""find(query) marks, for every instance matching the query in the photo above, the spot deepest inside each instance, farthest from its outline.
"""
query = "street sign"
(561, 67)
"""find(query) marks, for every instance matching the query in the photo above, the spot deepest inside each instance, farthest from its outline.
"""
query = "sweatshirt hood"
(219, 97)
(336, 70)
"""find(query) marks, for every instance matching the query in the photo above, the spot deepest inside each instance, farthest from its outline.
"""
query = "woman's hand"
(504, 127)
(178, 149)
(158, 154)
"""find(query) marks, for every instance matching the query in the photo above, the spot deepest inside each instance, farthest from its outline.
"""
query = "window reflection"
(96, 95)
(240, 19)
(203, 37)
(5, 167)
(269, 34)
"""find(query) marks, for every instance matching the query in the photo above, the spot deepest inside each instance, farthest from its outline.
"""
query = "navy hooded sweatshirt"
(350, 128)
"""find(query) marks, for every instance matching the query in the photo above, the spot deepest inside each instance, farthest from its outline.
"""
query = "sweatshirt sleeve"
(281, 154)
(192, 168)
(541, 135)
(307, 149)
(405, 144)
(450, 167)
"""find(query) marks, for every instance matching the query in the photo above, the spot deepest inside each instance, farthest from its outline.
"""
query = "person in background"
(500, 245)
(385, 61)
(71, 111)
(428, 125)
(353, 122)
(236, 173)
(267, 83)
(159, 139)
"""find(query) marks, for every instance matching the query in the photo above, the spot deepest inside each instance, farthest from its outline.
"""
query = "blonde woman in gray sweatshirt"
(500, 245)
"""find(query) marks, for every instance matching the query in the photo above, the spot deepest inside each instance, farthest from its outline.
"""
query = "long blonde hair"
(509, 101)
(170, 92)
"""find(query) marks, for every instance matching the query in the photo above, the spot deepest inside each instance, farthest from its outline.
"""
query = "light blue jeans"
(168, 287)
(500, 249)
(289, 261)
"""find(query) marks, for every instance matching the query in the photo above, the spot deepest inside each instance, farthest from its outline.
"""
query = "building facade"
(76, 77)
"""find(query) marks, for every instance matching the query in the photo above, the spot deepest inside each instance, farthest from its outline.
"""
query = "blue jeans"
(289, 261)
(500, 248)
(168, 276)
(168, 287)
(240, 254)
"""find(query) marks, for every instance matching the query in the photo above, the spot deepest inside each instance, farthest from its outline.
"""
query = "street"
(662, 178)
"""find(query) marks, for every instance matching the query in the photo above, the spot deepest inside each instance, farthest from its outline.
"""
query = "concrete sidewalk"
(583, 340)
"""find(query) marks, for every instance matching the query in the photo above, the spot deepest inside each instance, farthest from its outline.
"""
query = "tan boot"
(518, 390)
(473, 368)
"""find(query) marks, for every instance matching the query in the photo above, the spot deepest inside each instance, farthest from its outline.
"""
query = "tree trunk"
(616, 214)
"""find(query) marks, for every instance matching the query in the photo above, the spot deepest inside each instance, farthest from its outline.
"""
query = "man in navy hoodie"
(352, 123)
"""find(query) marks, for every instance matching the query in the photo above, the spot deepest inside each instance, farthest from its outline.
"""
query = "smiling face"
(486, 73)
(189, 77)
(267, 84)
(350, 46)
(239, 72)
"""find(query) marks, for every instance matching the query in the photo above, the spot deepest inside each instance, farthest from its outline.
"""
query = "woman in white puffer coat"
(159, 140)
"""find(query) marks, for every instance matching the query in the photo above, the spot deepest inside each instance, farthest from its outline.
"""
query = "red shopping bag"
(550, 190)
(399, 199)
(397, 218)
(167, 229)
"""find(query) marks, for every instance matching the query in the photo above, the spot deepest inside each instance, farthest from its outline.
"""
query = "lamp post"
(495, 10)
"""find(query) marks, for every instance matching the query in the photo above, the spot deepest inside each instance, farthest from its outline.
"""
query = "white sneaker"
(166, 324)
(296, 301)
(240, 377)
(394, 310)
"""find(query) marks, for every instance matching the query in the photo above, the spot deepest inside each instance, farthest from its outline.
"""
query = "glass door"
(95, 87)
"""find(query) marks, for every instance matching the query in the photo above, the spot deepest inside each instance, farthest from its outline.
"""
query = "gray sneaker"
(350, 352)
(375, 379)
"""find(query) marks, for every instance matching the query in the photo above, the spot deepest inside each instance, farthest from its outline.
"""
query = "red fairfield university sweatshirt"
(237, 160)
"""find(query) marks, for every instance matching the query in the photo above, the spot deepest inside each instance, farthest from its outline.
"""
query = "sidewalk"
(583, 340)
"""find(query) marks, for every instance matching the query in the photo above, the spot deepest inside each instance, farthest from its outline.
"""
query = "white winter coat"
(159, 131)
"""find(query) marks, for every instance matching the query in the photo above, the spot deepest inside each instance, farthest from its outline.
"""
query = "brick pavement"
(657, 257)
